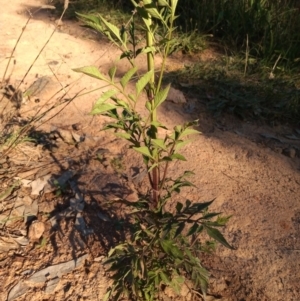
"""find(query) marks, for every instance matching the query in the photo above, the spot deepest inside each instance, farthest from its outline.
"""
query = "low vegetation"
(258, 43)
(164, 243)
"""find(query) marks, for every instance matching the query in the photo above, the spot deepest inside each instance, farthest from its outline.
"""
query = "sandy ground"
(252, 170)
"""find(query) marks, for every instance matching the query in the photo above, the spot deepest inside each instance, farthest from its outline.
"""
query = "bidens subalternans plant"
(163, 248)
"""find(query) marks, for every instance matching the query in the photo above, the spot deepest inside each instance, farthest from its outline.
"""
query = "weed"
(163, 247)
(60, 189)
(42, 243)
(117, 164)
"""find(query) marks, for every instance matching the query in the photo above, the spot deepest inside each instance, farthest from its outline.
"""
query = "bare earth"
(252, 170)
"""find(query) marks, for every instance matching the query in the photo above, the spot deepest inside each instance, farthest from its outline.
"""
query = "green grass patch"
(262, 93)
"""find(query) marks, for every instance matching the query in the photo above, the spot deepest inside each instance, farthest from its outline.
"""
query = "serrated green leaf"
(180, 144)
(178, 128)
(107, 295)
(143, 81)
(218, 236)
(112, 28)
(166, 245)
(212, 224)
(113, 126)
(148, 106)
(166, 158)
(105, 96)
(116, 248)
(189, 132)
(159, 143)
(197, 207)
(203, 285)
(122, 103)
(150, 8)
(161, 96)
(92, 18)
(164, 278)
(173, 5)
(222, 220)
(178, 157)
(210, 215)
(176, 283)
(176, 252)
(158, 125)
(112, 72)
(152, 166)
(163, 3)
(127, 77)
(188, 173)
(144, 151)
(132, 97)
(145, 50)
(123, 135)
(91, 71)
(124, 36)
(92, 21)
(101, 108)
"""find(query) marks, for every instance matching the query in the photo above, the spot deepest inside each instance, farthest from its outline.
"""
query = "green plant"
(162, 246)
(268, 27)
(117, 164)
(164, 249)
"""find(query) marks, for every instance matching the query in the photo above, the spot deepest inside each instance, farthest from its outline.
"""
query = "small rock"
(56, 270)
(36, 230)
(132, 197)
(289, 152)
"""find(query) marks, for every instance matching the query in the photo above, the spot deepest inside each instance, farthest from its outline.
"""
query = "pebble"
(36, 230)
(289, 152)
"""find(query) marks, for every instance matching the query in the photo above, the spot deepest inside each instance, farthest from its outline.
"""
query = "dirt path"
(253, 172)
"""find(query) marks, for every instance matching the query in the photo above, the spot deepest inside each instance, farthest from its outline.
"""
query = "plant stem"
(150, 94)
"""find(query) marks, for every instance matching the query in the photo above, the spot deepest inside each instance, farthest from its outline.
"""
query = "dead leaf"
(38, 185)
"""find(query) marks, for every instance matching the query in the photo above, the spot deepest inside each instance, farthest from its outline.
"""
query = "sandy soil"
(252, 170)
